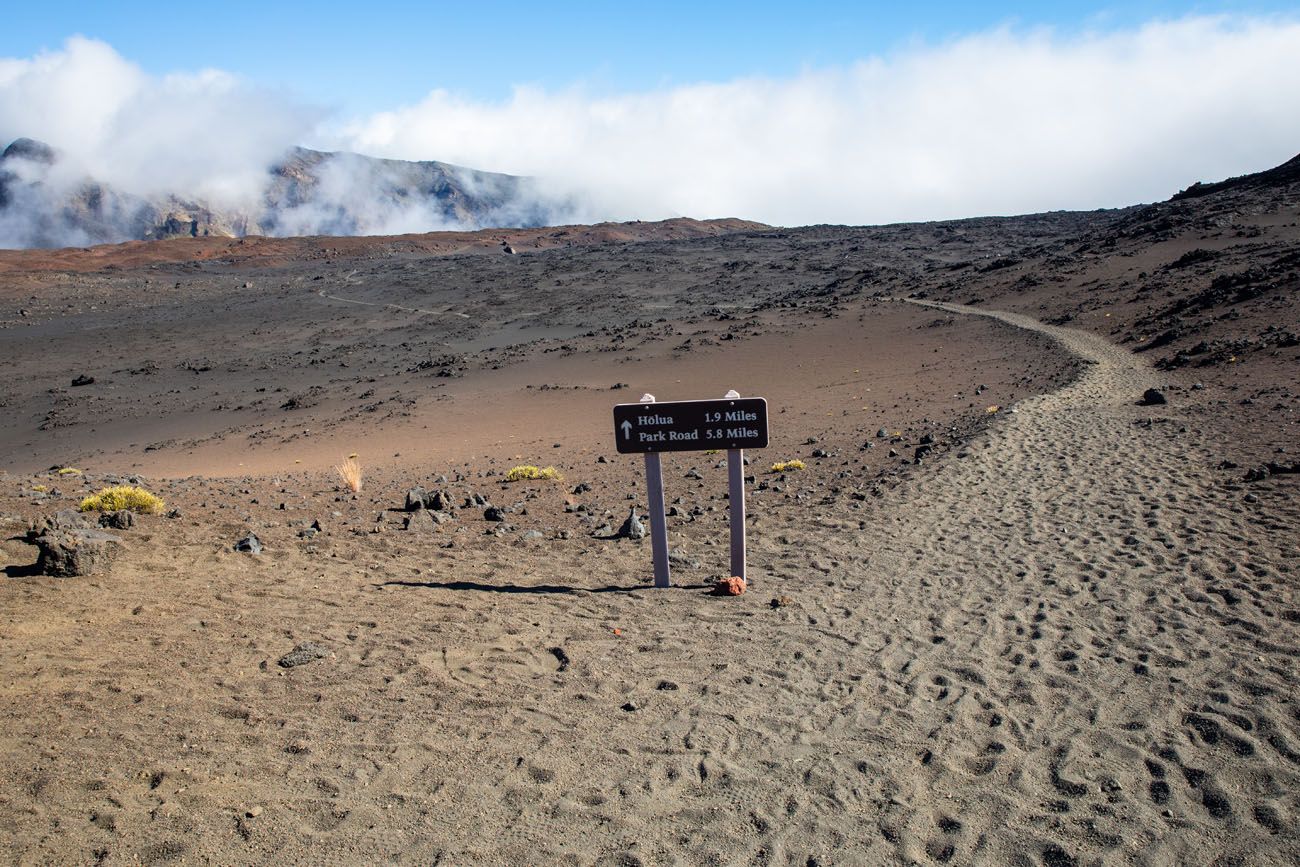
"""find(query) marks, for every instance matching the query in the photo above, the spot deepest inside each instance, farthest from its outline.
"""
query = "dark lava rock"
(64, 519)
(123, 519)
(922, 452)
(438, 501)
(882, 434)
(70, 553)
(250, 544)
(678, 560)
(632, 528)
(1259, 474)
(83, 379)
(493, 513)
(581, 488)
(415, 499)
(302, 654)
(422, 520)
(1153, 397)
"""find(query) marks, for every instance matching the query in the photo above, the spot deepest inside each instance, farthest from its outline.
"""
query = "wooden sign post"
(654, 489)
(649, 427)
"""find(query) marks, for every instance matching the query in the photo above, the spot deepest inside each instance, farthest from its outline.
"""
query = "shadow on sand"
(521, 588)
(23, 571)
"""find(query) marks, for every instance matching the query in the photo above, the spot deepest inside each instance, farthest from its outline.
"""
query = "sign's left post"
(654, 484)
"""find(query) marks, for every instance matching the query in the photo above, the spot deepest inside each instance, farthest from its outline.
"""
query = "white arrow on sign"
(627, 429)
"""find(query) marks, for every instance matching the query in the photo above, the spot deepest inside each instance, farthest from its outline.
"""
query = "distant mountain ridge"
(307, 192)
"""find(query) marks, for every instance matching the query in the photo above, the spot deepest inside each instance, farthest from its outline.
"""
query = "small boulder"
(1153, 397)
(123, 519)
(83, 379)
(250, 544)
(493, 513)
(419, 521)
(732, 586)
(64, 519)
(632, 528)
(71, 553)
(415, 499)
(678, 560)
(302, 654)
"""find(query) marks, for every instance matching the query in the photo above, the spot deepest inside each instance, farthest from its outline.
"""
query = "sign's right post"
(736, 498)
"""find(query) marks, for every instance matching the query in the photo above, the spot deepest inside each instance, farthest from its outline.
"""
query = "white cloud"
(204, 133)
(1005, 121)
(999, 122)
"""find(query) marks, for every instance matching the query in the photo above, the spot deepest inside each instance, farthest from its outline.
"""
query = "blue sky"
(781, 112)
(356, 58)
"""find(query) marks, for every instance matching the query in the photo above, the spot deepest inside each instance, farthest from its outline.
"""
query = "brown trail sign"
(733, 423)
(691, 425)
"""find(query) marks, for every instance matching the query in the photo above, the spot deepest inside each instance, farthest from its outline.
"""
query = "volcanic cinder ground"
(1067, 633)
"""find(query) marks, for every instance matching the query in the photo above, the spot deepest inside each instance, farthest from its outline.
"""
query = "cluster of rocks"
(1272, 468)
(426, 510)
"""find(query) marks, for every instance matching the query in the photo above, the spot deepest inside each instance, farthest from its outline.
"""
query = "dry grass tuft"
(121, 497)
(350, 471)
(529, 472)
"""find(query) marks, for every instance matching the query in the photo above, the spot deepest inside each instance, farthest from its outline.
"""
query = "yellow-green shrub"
(123, 497)
(69, 471)
(786, 466)
(528, 472)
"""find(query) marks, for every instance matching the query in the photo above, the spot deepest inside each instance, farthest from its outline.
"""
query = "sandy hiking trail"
(1071, 645)
(1067, 642)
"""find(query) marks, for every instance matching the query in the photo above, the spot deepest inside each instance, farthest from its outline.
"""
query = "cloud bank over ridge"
(1003, 121)
(998, 122)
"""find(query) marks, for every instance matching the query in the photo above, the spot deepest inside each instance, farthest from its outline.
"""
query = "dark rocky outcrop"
(68, 553)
